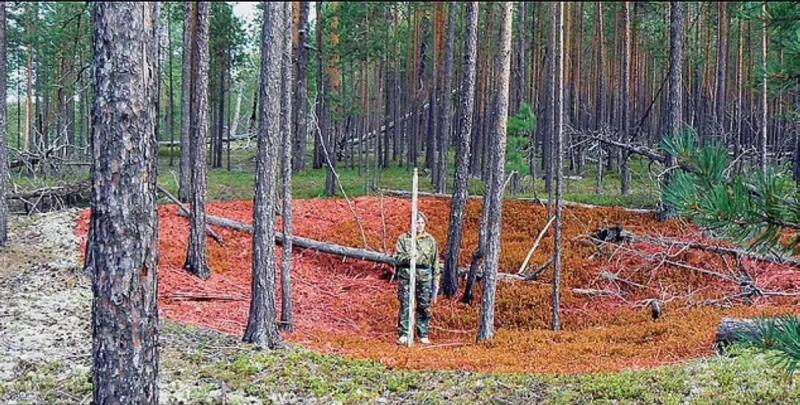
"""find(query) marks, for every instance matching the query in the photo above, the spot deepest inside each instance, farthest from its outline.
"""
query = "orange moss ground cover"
(350, 307)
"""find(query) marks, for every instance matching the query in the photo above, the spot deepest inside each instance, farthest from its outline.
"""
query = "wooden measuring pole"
(412, 268)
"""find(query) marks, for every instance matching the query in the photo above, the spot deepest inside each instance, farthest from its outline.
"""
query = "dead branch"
(591, 292)
(203, 297)
(613, 277)
(664, 260)
(719, 250)
(535, 245)
(336, 174)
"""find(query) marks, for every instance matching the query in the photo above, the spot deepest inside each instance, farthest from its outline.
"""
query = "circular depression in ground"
(349, 307)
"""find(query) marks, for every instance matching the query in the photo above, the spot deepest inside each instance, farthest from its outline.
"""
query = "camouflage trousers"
(423, 296)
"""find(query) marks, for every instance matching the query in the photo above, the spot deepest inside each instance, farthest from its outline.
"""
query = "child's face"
(420, 225)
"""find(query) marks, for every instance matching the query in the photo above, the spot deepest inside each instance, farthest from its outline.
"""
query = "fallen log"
(185, 210)
(540, 201)
(330, 248)
(55, 197)
(303, 243)
(733, 330)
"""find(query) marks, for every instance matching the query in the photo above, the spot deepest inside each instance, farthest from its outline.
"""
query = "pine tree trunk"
(320, 105)
(459, 200)
(737, 146)
(197, 254)
(600, 114)
(220, 114)
(171, 91)
(625, 78)
(262, 329)
(124, 223)
(3, 129)
(300, 103)
(764, 106)
(29, 134)
(558, 152)
(287, 322)
(549, 119)
(237, 110)
(185, 192)
(486, 330)
(431, 147)
(797, 132)
(446, 115)
(522, 57)
(722, 66)
(674, 98)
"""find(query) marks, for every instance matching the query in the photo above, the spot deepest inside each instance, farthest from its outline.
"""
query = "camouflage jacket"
(427, 253)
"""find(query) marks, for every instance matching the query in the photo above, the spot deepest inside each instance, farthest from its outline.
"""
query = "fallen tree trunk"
(303, 243)
(185, 211)
(331, 248)
(732, 330)
(51, 198)
(541, 201)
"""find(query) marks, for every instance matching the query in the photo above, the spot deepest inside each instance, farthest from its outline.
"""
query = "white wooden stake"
(413, 265)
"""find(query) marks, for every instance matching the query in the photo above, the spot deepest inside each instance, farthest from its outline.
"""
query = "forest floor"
(46, 346)
(350, 307)
(343, 351)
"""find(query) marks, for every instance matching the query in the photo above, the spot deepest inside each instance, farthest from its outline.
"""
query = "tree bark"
(459, 201)
(124, 222)
(262, 329)
(549, 119)
(486, 330)
(320, 105)
(722, 67)
(287, 149)
(185, 191)
(31, 11)
(300, 103)
(600, 113)
(625, 102)
(764, 106)
(797, 132)
(446, 115)
(217, 160)
(431, 145)
(3, 129)
(170, 89)
(197, 254)
(558, 143)
(674, 99)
